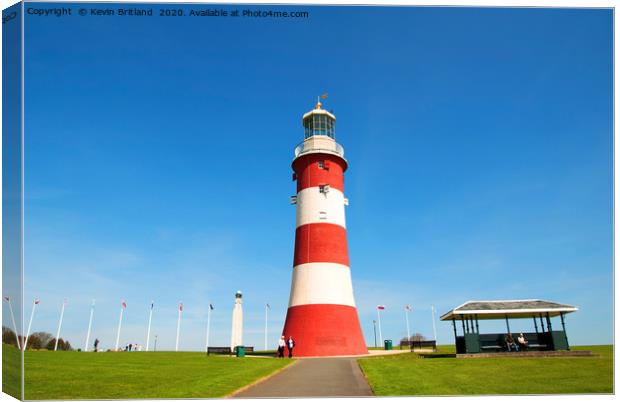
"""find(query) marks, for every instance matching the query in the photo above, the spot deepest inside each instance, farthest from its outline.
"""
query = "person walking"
(281, 344)
(96, 344)
(291, 344)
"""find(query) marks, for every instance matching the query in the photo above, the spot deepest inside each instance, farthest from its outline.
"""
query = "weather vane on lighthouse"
(318, 100)
(321, 317)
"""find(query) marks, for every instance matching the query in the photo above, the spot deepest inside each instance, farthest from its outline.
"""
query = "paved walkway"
(313, 377)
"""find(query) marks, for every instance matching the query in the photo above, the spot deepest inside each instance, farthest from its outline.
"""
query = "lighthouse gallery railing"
(309, 147)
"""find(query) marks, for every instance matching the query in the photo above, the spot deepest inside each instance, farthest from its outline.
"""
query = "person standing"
(96, 344)
(281, 344)
(291, 344)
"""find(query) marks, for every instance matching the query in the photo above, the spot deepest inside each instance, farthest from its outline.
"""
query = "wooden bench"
(225, 350)
(220, 350)
(420, 344)
(492, 347)
(534, 346)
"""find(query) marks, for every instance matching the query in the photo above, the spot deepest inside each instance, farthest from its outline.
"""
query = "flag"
(211, 306)
(7, 298)
(268, 306)
(324, 96)
(124, 304)
(408, 307)
(380, 307)
(180, 306)
(152, 303)
(37, 301)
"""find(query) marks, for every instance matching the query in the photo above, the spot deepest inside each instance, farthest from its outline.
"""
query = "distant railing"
(309, 147)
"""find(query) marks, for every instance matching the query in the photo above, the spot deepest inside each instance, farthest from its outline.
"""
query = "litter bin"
(388, 344)
(240, 351)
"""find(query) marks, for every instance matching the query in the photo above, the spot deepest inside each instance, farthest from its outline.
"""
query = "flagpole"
(266, 313)
(407, 320)
(176, 347)
(148, 331)
(90, 323)
(120, 323)
(434, 329)
(62, 313)
(8, 299)
(34, 306)
(379, 321)
(208, 328)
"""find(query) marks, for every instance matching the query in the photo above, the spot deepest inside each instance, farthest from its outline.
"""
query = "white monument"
(236, 338)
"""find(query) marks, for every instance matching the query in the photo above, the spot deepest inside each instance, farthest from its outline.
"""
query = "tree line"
(415, 338)
(36, 340)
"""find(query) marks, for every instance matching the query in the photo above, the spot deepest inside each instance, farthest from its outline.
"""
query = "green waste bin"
(240, 351)
(388, 344)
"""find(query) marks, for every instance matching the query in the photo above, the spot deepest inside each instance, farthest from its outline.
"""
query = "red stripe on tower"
(325, 330)
(322, 317)
(321, 242)
(315, 169)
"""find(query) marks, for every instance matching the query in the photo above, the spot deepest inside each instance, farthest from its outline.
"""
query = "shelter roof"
(496, 309)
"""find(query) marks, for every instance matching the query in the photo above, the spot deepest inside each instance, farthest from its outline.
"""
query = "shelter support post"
(548, 323)
(542, 324)
(535, 324)
(507, 324)
(564, 330)
(454, 327)
(477, 328)
(463, 324)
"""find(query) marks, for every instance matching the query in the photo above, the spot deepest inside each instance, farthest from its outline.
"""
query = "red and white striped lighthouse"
(321, 317)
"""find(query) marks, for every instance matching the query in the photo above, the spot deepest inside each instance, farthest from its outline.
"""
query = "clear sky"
(158, 156)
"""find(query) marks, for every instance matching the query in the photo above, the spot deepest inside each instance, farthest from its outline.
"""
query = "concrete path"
(313, 377)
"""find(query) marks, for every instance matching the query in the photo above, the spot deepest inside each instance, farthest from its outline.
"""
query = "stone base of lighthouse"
(324, 330)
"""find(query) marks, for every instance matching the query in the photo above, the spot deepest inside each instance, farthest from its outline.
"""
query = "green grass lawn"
(124, 375)
(11, 371)
(409, 374)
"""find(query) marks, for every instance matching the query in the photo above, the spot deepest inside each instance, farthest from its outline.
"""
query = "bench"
(534, 346)
(225, 350)
(420, 344)
(492, 347)
(221, 350)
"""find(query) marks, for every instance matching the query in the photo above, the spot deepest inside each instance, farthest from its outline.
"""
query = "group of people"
(132, 346)
(288, 343)
(520, 344)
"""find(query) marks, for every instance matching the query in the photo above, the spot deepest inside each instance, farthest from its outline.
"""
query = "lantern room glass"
(319, 124)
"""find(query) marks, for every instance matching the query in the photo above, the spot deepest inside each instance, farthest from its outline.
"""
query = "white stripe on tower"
(321, 283)
(313, 206)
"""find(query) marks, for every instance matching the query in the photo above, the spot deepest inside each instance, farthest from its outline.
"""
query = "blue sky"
(158, 158)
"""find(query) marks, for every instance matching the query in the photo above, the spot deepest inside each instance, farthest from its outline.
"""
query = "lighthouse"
(321, 317)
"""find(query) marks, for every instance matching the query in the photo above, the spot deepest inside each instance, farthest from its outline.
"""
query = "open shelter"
(540, 311)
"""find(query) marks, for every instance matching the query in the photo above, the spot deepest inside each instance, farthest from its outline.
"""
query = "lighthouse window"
(319, 124)
(322, 215)
(321, 165)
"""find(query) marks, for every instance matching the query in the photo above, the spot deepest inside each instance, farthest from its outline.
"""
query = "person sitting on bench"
(522, 341)
(510, 343)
